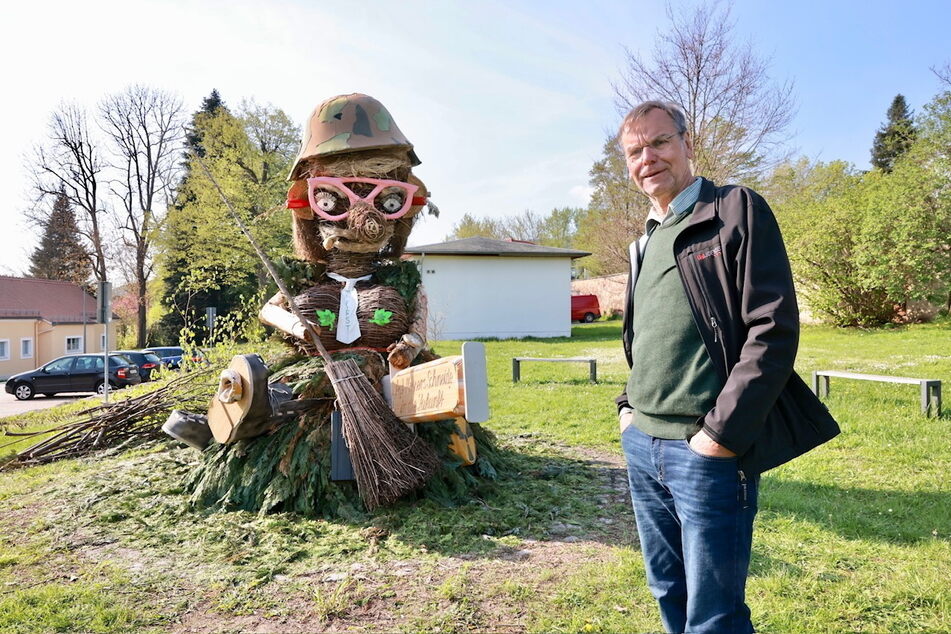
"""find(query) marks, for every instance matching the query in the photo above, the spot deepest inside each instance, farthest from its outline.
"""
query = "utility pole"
(105, 316)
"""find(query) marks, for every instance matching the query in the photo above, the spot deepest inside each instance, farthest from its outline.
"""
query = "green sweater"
(673, 382)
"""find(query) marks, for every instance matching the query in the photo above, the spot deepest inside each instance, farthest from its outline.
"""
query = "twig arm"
(315, 337)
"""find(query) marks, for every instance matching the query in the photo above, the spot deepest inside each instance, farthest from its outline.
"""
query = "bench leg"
(931, 398)
(594, 370)
(516, 375)
(820, 385)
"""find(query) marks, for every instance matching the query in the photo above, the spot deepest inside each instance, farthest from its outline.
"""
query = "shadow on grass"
(904, 517)
(541, 497)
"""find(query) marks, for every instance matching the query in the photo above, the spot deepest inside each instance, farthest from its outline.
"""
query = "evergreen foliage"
(895, 137)
(60, 254)
(403, 276)
(289, 469)
(193, 137)
(204, 260)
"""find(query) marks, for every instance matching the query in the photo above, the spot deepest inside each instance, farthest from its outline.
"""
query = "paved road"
(10, 406)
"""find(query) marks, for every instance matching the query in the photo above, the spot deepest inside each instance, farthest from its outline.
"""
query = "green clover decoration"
(326, 318)
(381, 317)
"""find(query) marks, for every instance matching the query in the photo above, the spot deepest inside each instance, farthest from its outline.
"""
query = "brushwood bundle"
(111, 424)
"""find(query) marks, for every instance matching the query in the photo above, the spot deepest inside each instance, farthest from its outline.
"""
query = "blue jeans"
(695, 521)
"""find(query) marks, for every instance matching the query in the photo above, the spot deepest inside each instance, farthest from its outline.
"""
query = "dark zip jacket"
(736, 275)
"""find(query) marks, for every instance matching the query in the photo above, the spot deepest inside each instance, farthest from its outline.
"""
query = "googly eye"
(326, 201)
(391, 203)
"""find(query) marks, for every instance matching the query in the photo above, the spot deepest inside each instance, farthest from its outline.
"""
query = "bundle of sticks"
(111, 424)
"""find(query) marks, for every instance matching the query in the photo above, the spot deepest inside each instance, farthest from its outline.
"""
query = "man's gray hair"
(639, 111)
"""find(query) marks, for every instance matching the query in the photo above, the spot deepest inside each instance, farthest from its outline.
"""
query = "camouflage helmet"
(349, 123)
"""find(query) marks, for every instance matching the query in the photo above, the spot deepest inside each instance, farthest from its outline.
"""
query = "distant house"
(480, 287)
(44, 319)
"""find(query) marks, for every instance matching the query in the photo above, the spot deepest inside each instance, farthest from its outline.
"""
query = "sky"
(508, 103)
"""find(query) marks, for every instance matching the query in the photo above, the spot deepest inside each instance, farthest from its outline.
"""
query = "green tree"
(819, 216)
(865, 246)
(903, 243)
(895, 136)
(205, 260)
(615, 216)
(471, 227)
(560, 227)
(60, 254)
(556, 229)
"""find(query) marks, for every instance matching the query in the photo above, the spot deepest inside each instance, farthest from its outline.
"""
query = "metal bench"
(592, 365)
(930, 388)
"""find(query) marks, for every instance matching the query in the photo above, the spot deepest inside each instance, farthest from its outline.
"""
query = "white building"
(480, 287)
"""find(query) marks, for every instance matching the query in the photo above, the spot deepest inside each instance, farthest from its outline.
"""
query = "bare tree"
(71, 161)
(144, 126)
(735, 115)
(943, 73)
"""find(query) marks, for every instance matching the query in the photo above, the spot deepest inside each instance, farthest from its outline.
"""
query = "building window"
(74, 345)
(4, 349)
(26, 348)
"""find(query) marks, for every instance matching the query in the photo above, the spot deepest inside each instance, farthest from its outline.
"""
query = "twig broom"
(388, 459)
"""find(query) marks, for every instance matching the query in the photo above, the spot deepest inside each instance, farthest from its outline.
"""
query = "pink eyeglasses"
(331, 197)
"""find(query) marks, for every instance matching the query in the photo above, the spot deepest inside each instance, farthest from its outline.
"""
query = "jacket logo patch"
(712, 253)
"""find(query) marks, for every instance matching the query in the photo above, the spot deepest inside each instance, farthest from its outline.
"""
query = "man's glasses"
(331, 197)
(659, 144)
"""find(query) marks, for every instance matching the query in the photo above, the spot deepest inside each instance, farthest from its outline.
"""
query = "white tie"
(348, 327)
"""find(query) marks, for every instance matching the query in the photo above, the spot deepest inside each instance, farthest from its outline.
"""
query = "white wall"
(504, 297)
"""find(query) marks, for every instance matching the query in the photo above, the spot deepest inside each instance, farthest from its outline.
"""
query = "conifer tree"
(61, 255)
(204, 261)
(894, 137)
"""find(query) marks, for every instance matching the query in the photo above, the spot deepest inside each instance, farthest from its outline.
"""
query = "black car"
(75, 373)
(147, 362)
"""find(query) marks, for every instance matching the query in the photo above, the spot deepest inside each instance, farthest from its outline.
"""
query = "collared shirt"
(678, 206)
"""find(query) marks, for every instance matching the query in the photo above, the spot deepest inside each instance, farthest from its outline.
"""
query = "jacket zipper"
(743, 486)
(714, 326)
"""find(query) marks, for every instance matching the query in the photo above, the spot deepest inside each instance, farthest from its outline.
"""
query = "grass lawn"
(853, 537)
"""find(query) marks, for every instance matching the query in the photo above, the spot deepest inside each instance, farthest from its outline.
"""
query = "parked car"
(585, 308)
(171, 356)
(147, 362)
(75, 373)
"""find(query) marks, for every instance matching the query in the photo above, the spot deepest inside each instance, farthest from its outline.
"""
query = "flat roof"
(492, 247)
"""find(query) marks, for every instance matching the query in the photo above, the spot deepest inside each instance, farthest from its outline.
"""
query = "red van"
(585, 308)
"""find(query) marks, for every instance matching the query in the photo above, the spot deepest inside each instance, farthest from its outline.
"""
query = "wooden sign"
(451, 387)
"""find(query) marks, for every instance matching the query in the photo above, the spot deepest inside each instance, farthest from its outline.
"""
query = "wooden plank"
(870, 377)
(429, 391)
(930, 388)
(576, 359)
(475, 380)
(592, 365)
(450, 387)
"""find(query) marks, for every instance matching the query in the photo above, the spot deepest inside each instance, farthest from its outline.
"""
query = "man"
(711, 328)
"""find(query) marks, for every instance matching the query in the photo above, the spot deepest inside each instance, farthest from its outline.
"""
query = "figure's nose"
(366, 222)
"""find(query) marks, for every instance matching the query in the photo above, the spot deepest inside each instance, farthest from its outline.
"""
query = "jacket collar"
(706, 208)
